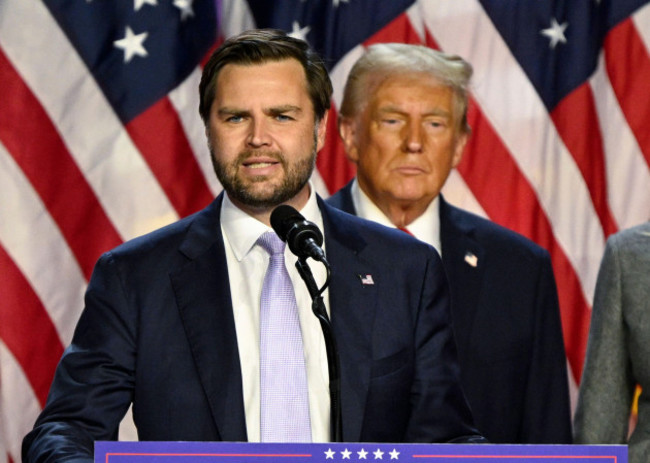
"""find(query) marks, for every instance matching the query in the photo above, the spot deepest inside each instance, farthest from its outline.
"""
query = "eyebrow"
(274, 110)
(231, 112)
(283, 109)
(398, 110)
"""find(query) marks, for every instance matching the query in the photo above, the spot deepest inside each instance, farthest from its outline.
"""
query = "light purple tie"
(284, 414)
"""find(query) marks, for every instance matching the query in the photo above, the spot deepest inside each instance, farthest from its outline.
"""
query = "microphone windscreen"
(283, 219)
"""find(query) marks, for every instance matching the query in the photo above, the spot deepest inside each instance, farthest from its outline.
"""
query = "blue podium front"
(239, 452)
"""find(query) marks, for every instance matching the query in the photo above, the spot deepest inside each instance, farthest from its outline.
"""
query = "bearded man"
(177, 322)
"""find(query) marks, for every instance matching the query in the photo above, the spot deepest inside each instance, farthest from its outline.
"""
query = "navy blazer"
(158, 330)
(506, 320)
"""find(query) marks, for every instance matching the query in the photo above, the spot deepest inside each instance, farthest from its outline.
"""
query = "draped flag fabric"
(101, 141)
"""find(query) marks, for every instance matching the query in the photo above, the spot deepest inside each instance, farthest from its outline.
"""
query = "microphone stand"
(318, 307)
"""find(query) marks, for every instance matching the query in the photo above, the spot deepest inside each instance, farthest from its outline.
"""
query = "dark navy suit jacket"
(158, 330)
(507, 324)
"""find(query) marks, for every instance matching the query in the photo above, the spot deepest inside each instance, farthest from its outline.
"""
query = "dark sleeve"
(547, 416)
(439, 409)
(93, 383)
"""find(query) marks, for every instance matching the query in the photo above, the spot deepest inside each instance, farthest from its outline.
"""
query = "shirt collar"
(425, 228)
(242, 231)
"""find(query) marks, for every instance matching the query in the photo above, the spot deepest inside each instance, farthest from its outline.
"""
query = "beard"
(251, 191)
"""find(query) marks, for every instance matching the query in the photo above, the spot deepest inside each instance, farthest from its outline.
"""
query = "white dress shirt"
(247, 265)
(425, 228)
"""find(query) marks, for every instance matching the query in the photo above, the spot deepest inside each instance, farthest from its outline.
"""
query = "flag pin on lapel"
(366, 280)
(471, 259)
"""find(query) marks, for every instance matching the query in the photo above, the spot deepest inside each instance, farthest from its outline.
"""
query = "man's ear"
(207, 137)
(459, 148)
(321, 131)
(348, 133)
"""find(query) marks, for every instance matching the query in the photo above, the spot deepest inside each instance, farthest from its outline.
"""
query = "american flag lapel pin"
(366, 280)
(471, 259)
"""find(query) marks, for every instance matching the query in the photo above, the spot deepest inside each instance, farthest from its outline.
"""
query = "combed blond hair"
(384, 60)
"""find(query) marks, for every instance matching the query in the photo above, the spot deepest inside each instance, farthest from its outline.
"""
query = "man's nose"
(413, 138)
(258, 133)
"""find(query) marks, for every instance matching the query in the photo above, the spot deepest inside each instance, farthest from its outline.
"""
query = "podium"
(240, 452)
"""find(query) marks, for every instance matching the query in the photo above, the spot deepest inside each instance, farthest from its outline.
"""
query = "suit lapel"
(463, 258)
(352, 308)
(204, 301)
(203, 297)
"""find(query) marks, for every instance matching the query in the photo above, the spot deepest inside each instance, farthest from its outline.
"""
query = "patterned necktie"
(284, 414)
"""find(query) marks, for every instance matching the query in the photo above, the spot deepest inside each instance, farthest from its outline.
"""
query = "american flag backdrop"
(101, 141)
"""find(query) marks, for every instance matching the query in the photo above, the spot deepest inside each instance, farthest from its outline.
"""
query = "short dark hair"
(260, 46)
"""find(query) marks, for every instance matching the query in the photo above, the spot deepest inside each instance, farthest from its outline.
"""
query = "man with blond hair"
(403, 121)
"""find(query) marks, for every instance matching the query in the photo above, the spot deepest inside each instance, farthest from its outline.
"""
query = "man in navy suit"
(171, 321)
(403, 121)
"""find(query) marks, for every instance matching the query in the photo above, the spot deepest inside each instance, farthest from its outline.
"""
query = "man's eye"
(283, 117)
(234, 119)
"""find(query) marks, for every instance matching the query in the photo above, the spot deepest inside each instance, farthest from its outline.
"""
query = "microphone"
(303, 237)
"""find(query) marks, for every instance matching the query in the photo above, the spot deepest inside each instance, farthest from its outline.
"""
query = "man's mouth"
(410, 170)
(259, 165)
